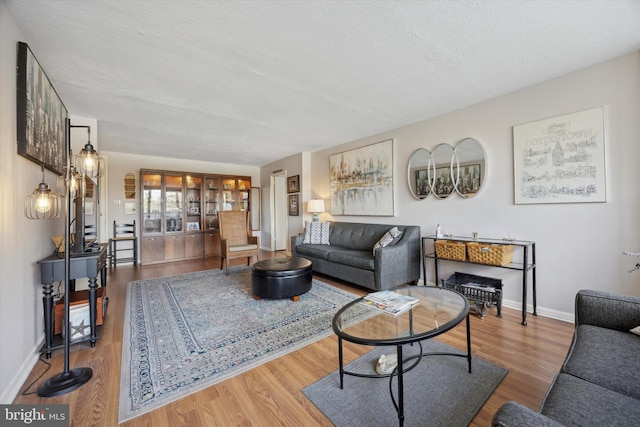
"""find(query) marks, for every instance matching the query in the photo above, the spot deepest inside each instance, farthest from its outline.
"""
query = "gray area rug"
(184, 333)
(439, 391)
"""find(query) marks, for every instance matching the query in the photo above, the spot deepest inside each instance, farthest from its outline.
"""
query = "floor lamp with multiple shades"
(44, 204)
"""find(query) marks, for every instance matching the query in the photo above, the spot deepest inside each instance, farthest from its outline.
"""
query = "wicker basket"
(490, 254)
(450, 249)
(130, 186)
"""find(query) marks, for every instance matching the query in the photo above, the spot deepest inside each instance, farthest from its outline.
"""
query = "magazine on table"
(390, 302)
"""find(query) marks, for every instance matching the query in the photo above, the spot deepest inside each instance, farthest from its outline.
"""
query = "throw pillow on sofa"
(390, 237)
(316, 233)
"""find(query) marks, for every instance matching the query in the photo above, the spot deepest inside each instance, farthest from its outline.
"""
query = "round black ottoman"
(281, 278)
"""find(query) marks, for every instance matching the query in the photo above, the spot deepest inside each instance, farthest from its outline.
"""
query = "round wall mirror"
(440, 171)
(417, 174)
(469, 168)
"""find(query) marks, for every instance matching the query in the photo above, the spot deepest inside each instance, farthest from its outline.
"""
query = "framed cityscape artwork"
(361, 180)
(40, 115)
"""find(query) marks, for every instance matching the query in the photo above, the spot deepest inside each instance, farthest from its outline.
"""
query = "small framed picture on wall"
(294, 205)
(293, 184)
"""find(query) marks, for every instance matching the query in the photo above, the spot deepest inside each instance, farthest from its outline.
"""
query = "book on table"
(390, 302)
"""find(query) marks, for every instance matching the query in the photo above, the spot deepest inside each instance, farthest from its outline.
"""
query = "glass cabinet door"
(211, 202)
(193, 203)
(228, 194)
(244, 188)
(173, 203)
(151, 203)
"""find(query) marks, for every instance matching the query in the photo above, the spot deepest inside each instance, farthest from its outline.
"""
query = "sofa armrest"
(400, 263)
(513, 414)
(295, 241)
(607, 310)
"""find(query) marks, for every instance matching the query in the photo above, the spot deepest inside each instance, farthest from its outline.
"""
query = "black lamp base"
(65, 382)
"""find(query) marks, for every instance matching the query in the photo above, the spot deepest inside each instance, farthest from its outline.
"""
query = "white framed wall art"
(561, 159)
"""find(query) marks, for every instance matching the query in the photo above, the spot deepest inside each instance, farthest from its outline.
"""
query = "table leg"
(468, 342)
(533, 274)
(340, 362)
(525, 273)
(400, 387)
(93, 306)
(47, 303)
(103, 276)
(424, 262)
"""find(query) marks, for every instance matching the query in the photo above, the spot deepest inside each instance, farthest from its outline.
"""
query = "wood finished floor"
(270, 394)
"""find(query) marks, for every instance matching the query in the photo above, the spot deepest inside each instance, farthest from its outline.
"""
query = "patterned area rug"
(185, 333)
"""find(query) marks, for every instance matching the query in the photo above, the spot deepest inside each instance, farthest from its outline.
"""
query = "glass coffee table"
(438, 311)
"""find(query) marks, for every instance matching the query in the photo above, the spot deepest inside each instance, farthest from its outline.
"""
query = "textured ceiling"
(253, 82)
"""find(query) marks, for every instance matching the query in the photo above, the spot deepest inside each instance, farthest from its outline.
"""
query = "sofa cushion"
(573, 401)
(315, 251)
(606, 357)
(358, 259)
(316, 233)
(356, 236)
(241, 248)
(391, 237)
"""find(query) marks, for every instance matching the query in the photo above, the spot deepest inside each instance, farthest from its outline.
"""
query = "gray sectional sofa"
(599, 382)
(349, 255)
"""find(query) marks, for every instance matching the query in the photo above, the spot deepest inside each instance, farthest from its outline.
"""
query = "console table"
(528, 263)
(87, 264)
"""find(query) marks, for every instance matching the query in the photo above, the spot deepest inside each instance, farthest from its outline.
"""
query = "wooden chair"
(90, 233)
(236, 240)
(123, 233)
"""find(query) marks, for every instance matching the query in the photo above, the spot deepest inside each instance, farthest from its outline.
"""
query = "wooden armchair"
(236, 240)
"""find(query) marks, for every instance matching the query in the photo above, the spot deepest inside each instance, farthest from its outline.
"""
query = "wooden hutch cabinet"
(179, 213)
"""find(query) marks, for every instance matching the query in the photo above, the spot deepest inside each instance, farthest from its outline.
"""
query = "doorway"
(279, 212)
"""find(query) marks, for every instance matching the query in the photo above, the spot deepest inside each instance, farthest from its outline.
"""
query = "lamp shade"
(43, 203)
(315, 206)
(88, 162)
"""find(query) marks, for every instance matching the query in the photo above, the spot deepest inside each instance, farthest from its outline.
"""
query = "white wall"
(578, 245)
(292, 165)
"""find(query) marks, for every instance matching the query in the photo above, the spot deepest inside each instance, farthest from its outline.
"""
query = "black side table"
(88, 265)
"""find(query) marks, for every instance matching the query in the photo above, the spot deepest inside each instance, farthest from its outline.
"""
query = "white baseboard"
(542, 311)
(12, 390)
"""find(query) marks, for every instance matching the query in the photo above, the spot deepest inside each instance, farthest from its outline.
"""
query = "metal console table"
(528, 264)
(87, 264)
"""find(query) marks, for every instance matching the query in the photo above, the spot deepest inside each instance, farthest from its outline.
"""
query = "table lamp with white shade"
(315, 206)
